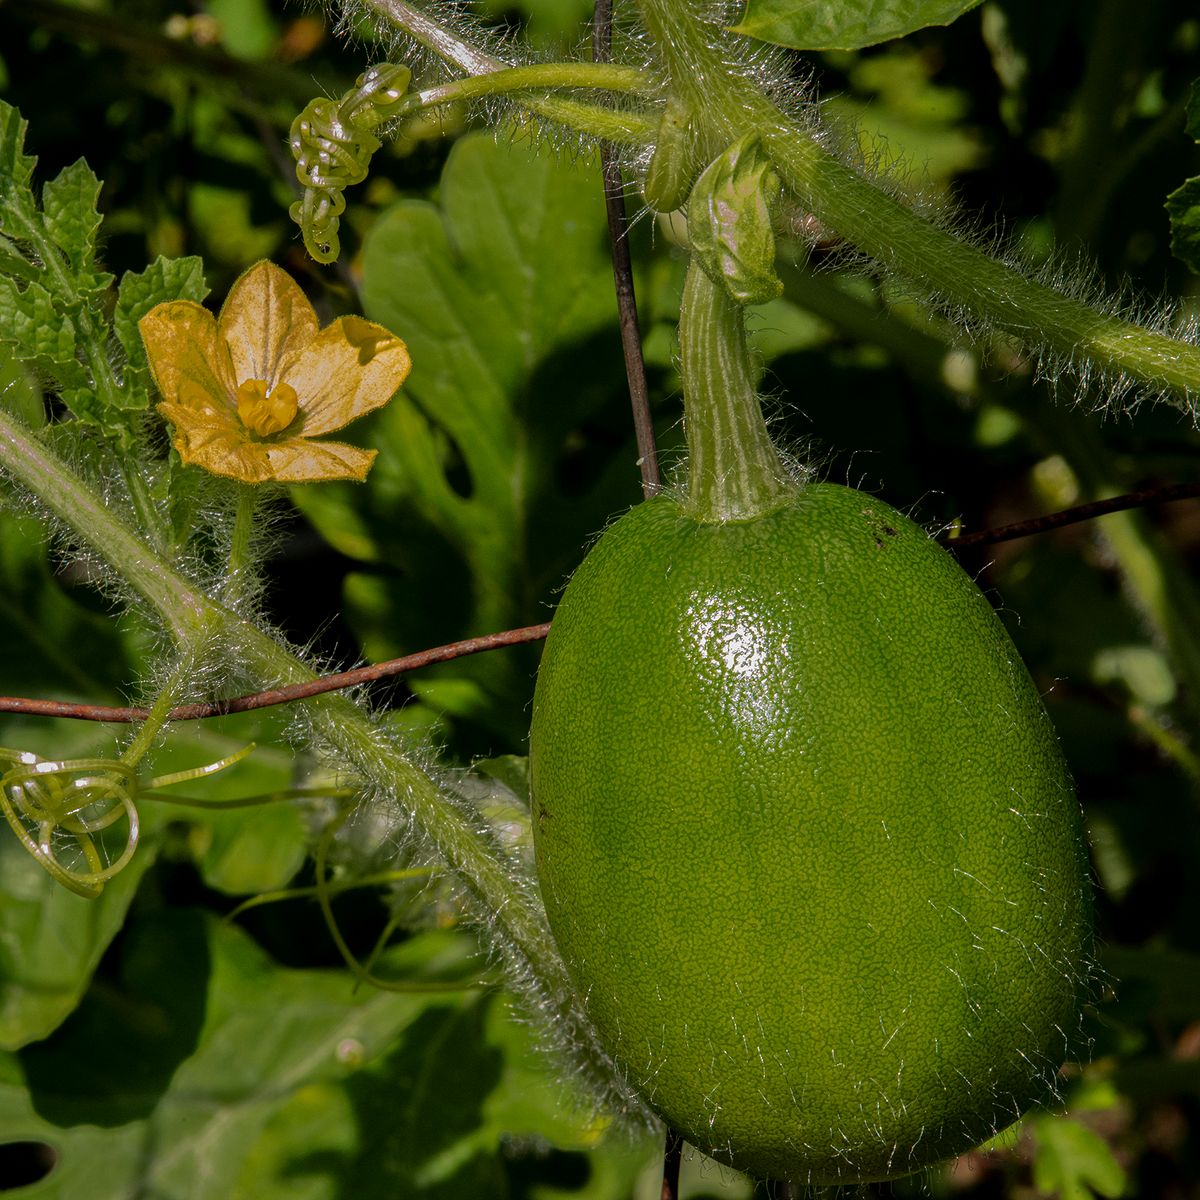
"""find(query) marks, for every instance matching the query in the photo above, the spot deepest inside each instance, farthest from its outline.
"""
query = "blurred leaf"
(844, 24)
(898, 115)
(1073, 1162)
(1154, 982)
(554, 22)
(239, 851)
(247, 27)
(50, 641)
(1183, 204)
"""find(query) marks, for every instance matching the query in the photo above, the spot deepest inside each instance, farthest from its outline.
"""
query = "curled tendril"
(333, 141)
(68, 813)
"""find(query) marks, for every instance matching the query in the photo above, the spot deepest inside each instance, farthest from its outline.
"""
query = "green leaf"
(204, 1071)
(21, 395)
(70, 217)
(163, 280)
(239, 851)
(1183, 204)
(30, 323)
(16, 167)
(13, 262)
(502, 293)
(51, 644)
(844, 24)
(1183, 207)
(1074, 1162)
(50, 939)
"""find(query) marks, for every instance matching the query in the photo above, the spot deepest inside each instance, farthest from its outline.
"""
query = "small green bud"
(673, 165)
(729, 222)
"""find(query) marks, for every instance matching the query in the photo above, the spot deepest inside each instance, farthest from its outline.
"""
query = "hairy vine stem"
(727, 104)
(477, 863)
(535, 78)
(734, 471)
(953, 271)
(594, 120)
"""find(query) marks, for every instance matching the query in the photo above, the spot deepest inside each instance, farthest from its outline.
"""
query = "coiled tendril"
(63, 812)
(333, 141)
(67, 812)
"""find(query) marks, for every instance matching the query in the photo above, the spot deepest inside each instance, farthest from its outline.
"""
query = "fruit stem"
(734, 471)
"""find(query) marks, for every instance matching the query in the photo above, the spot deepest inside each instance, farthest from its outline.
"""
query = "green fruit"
(806, 839)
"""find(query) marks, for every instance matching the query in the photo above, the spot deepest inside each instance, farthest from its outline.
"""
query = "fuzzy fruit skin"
(806, 839)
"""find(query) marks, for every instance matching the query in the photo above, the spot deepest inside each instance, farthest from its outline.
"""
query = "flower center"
(266, 412)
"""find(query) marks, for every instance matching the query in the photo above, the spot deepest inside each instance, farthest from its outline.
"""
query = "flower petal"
(218, 443)
(190, 364)
(300, 460)
(265, 319)
(348, 369)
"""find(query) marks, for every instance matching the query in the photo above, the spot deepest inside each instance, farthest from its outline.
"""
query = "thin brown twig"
(1073, 516)
(672, 1158)
(618, 235)
(282, 695)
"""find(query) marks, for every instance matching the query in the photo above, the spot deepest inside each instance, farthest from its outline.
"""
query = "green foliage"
(833, 25)
(1074, 1162)
(52, 290)
(1183, 204)
(164, 279)
(252, 1081)
(500, 289)
(52, 940)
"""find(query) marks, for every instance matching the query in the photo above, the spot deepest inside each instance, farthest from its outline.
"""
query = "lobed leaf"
(31, 324)
(844, 24)
(16, 167)
(163, 280)
(70, 218)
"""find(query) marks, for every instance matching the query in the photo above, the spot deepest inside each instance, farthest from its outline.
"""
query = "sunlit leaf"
(848, 25)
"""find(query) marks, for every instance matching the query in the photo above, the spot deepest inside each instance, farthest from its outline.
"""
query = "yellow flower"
(250, 390)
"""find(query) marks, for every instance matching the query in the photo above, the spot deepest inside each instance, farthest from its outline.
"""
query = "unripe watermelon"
(806, 839)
